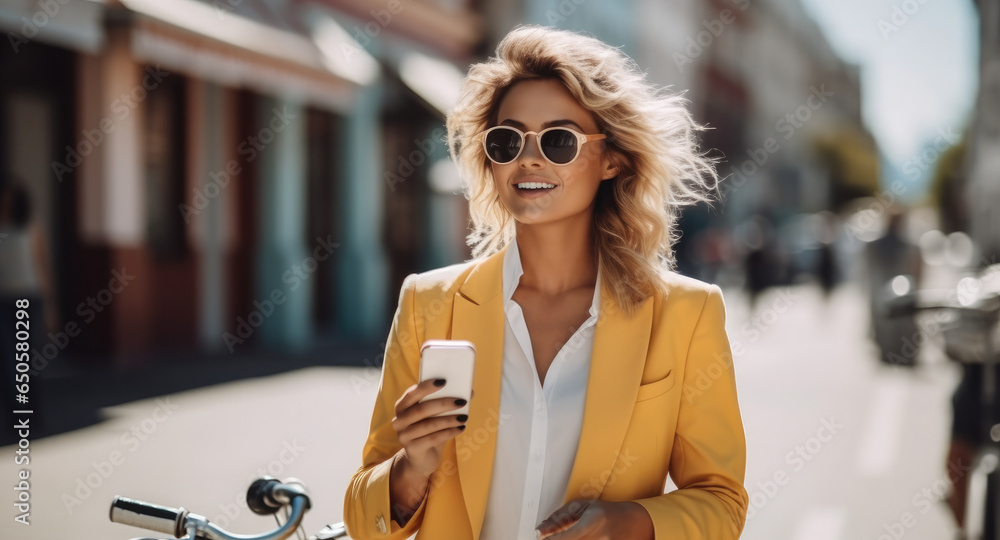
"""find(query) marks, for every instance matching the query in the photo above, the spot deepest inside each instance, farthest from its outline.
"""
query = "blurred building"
(777, 67)
(216, 172)
(784, 109)
(786, 113)
(983, 155)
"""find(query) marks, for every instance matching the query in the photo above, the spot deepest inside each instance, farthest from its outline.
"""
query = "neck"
(556, 257)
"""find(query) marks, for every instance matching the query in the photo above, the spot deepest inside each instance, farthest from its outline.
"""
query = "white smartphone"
(453, 360)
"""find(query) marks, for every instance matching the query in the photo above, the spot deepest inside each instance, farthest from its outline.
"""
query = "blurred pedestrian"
(826, 261)
(760, 263)
(885, 258)
(25, 275)
(713, 253)
(969, 438)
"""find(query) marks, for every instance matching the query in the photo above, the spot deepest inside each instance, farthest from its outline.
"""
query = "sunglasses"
(559, 145)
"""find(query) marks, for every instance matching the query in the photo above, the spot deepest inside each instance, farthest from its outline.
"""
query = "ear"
(612, 161)
(610, 170)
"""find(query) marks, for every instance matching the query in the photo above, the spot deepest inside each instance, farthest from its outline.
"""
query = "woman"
(598, 369)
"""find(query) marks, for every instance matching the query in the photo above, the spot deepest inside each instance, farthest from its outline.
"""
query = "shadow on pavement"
(71, 396)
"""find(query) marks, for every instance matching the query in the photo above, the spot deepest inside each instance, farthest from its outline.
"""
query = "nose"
(530, 155)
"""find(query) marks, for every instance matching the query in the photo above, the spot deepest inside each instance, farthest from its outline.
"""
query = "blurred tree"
(947, 192)
(852, 160)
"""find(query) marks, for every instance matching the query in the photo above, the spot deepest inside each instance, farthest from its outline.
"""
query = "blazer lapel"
(616, 368)
(478, 317)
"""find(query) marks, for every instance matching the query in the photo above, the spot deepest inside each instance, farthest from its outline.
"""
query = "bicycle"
(969, 336)
(265, 496)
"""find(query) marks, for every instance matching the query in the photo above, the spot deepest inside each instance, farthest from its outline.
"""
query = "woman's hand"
(421, 434)
(585, 519)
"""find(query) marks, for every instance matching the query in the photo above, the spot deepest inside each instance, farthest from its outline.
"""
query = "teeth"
(534, 185)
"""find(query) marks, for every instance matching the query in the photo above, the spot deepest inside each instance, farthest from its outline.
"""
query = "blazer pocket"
(656, 388)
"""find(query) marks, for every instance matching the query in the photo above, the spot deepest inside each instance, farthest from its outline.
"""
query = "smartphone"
(453, 360)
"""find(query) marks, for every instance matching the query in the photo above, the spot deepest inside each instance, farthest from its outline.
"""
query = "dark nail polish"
(439, 382)
(463, 417)
(461, 427)
(460, 402)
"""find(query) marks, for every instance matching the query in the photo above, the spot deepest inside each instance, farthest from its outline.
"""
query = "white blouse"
(539, 425)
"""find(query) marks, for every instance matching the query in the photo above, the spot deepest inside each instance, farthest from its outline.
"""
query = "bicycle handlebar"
(265, 496)
(149, 516)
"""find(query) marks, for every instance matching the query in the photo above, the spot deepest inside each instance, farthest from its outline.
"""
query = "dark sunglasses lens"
(559, 145)
(503, 145)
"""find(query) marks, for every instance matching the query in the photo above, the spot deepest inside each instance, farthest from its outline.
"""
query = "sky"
(919, 66)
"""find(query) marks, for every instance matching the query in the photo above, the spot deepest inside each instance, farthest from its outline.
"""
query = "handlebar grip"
(259, 496)
(149, 516)
(267, 495)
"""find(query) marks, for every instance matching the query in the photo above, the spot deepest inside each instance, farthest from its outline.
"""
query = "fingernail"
(463, 417)
(439, 382)
(460, 402)
(461, 427)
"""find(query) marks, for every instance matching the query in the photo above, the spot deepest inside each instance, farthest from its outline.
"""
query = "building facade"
(221, 173)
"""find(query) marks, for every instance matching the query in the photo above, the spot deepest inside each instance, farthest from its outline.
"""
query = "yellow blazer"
(661, 397)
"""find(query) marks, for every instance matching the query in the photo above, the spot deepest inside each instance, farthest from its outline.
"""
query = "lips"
(533, 193)
(532, 179)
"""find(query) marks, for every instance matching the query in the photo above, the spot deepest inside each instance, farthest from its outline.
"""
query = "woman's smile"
(533, 188)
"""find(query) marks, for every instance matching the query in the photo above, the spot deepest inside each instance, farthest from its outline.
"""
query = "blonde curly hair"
(650, 134)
